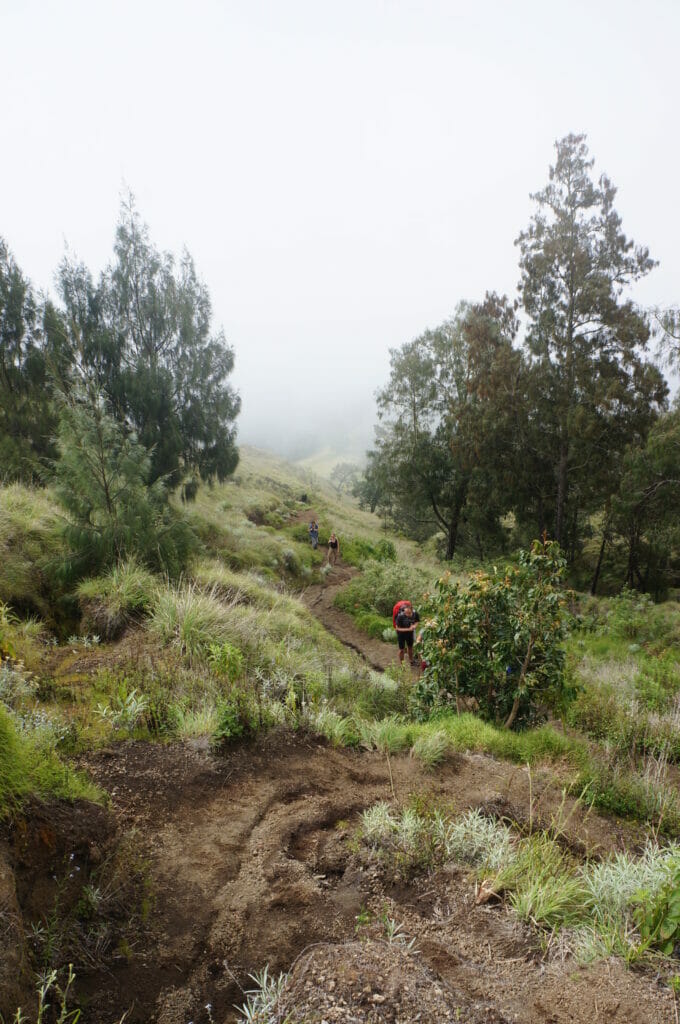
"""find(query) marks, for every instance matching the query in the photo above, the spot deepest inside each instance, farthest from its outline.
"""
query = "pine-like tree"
(101, 479)
(27, 417)
(144, 334)
(589, 391)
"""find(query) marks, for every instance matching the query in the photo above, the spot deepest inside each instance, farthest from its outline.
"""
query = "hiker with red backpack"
(404, 619)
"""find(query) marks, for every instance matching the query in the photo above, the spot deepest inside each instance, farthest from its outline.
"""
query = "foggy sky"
(343, 174)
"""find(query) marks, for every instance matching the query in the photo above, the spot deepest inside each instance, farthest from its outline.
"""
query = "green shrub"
(657, 914)
(29, 767)
(226, 661)
(658, 679)
(628, 793)
(372, 624)
(629, 615)
(498, 640)
(7, 621)
(380, 585)
(31, 547)
(238, 717)
(365, 693)
(358, 550)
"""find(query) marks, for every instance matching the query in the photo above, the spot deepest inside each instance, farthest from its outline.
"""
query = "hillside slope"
(199, 781)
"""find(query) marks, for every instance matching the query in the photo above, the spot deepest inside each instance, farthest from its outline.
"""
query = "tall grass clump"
(189, 618)
(377, 823)
(467, 732)
(477, 840)
(541, 883)
(409, 840)
(625, 905)
(233, 586)
(31, 545)
(388, 735)
(340, 731)
(633, 791)
(28, 766)
(110, 602)
(632, 704)
(611, 886)
(431, 747)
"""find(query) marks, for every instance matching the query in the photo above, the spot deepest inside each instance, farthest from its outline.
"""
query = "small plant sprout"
(47, 985)
(377, 824)
(125, 712)
(260, 1005)
(394, 933)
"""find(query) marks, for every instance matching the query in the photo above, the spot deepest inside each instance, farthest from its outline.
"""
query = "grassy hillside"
(229, 652)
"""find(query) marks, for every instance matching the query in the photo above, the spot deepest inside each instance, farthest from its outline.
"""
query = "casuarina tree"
(27, 413)
(113, 510)
(592, 391)
(143, 333)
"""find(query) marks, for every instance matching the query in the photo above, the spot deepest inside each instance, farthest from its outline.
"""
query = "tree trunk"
(454, 522)
(561, 496)
(600, 557)
(573, 538)
(632, 558)
(541, 516)
(510, 720)
(452, 536)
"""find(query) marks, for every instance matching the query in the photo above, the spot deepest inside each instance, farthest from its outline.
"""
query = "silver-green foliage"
(261, 1002)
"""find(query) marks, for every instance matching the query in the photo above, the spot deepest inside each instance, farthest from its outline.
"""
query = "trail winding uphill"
(319, 599)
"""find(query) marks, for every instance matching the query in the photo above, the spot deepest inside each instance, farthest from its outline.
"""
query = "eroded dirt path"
(251, 863)
(319, 599)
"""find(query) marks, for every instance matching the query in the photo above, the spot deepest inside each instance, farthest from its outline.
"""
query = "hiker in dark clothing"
(314, 534)
(405, 624)
(333, 549)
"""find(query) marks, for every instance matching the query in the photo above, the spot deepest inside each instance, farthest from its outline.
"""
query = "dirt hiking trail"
(252, 861)
(319, 599)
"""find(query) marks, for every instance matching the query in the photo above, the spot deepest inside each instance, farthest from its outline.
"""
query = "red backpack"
(395, 611)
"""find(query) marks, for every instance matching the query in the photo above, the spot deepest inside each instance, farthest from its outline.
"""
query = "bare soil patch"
(250, 863)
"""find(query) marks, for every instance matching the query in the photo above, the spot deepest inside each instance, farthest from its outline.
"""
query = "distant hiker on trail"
(405, 623)
(333, 549)
(314, 534)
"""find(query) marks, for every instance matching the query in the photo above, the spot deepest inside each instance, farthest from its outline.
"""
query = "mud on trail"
(251, 862)
(319, 599)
